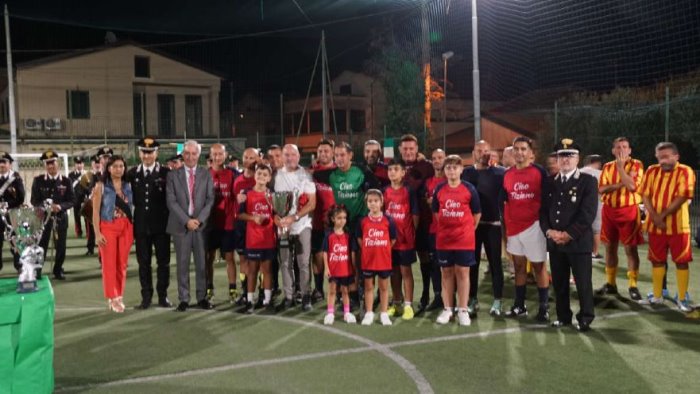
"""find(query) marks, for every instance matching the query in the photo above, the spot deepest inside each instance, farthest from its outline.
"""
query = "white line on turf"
(371, 346)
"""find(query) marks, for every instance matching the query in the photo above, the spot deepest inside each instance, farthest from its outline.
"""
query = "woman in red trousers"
(112, 217)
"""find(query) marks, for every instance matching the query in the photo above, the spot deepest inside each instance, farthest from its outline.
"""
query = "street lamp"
(445, 57)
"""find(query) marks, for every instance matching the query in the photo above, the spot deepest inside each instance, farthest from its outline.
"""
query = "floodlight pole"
(475, 76)
(445, 56)
(10, 89)
(324, 104)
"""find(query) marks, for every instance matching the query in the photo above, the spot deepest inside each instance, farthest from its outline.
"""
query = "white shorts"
(598, 221)
(530, 243)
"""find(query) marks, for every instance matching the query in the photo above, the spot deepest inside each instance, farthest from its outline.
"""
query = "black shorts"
(225, 240)
(367, 274)
(317, 237)
(450, 258)
(422, 239)
(239, 237)
(342, 280)
(260, 254)
(403, 257)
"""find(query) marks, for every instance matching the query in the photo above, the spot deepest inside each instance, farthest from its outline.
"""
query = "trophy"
(282, 203)
(24, 230)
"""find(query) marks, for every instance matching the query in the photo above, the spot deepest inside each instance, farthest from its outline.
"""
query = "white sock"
(251, 295)
(407, 303)
(268, 296)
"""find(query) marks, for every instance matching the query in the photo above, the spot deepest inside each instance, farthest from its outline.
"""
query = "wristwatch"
(296, 218)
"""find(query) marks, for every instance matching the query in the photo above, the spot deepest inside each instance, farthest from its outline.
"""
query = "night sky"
(524, 45)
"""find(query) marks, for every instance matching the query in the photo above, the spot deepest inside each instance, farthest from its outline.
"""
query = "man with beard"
(324, 201)
(373, 158)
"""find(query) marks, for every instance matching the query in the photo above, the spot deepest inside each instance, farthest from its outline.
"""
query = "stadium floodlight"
(445, 57)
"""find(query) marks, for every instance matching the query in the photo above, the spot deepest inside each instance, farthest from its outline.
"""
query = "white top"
(299, 182)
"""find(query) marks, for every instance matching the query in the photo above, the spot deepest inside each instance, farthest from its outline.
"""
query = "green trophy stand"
(26, 338)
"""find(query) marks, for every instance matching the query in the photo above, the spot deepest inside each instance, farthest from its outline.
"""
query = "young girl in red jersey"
(260, 237)
(338, 256)
(457, 213)
(376, 234)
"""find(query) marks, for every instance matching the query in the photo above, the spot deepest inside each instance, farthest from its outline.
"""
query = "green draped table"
(26, 338)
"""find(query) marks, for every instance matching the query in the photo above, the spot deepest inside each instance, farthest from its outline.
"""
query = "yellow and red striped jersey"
(662, 187)
(621, 197)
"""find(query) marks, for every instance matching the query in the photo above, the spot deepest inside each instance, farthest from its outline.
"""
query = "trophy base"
(27, 287)
(284, 243)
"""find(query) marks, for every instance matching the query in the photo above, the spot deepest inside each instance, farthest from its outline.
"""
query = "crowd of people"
(359, 228)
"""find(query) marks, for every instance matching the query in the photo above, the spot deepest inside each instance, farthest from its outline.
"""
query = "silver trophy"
(282, 203)
(24, 230)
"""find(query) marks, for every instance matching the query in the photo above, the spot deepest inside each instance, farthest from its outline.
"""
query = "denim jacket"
(109, 198)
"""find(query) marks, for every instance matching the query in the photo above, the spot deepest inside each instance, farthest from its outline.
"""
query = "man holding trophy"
(294, 198)
(11, 196)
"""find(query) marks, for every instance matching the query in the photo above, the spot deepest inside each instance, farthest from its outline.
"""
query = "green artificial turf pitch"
(630, 349)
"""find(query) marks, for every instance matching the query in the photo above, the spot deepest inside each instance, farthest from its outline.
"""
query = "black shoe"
(635, 295)
(210, 293)
(59, 275)
(143, 305)
(285, 304)
(542, 314)
(560, 323)
(204, 304)
(298, 297)
(317, 296)
(606, 289)
(164, 302)
(583, 327)
(90, 253)
(517, 311)
(242, 300)
(181, 307)
(436, 304)
(248, 309)
(306, 303)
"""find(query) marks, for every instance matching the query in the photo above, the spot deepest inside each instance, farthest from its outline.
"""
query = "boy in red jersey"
(376, 234)
(431, 183)
(260, 235)
(457, 212)
(523, 185)
(240, 185)
(401, 205)
(223, 217)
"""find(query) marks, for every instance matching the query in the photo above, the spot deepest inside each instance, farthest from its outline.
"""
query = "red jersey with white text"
(240, 184)
(401, 205)
(223, 214)
(430, 185)
(339, 249)
(375, 235)
(453, 208)
(259, 236)
(325, 198)
(523, 197)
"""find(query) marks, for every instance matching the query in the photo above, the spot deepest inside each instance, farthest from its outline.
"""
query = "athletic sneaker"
(233, 295)
(473, 306)
(210, 293)
(395, 309)
(495, 310)
(606, 289)
(384, 318)
(329, 319)
(444, 317)
(687, 297)
(306, 303)
(316, 296)
(517, 311)
(349, 318)
(635, 295)
(542, 314)
(651, 301)
(463, 318)
(368, 319)
(407, 312)
(684, 306)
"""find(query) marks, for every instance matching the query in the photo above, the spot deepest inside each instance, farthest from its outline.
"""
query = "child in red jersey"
(260, 236)
(338, 256)
(457, 212)
(401, 205)
(376, 234)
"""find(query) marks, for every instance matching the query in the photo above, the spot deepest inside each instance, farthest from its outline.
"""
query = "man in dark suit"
(569, 206)
(190, 197)
(148, 183)
(59, 189)
(11, 193)
(75, 176)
